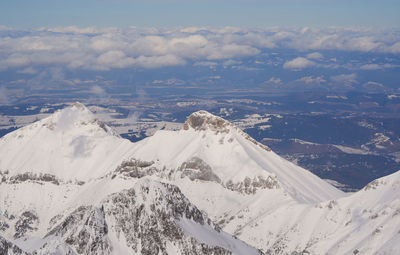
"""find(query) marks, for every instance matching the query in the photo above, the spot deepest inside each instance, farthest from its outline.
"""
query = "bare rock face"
(85, 229)
(196, 169)
(136, 168)
(203, 120)
(145, 217)
(28, 221)
(250, 186)
(38, 178)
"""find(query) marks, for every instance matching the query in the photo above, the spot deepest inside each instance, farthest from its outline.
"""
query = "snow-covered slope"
(234, 158)
(71, 145)
(69, 184)
(366, 222)
(148, 218)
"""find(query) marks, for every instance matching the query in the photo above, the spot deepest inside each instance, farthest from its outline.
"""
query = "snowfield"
(70, 185)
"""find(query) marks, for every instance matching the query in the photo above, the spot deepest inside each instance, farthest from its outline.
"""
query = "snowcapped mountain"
(70, 185)
(71, 145)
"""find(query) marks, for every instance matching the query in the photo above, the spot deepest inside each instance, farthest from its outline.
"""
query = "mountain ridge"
(244, 190)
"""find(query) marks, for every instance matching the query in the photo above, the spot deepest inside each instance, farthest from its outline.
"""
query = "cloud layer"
(113, 48)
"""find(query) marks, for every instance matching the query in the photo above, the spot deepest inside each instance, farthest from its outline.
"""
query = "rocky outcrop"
(85, 229)
(196, 169)
(27, 222)
(144, 219)
(146, 216)
(136, 169)
(203, 120)
(34, 178)
(250, 186)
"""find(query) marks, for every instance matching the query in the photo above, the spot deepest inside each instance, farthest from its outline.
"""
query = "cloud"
(373, 86)
(345, 79)
(159, 61)
(133, 117)
(114, 59)
(311, 80)
(315, 55)
(298, 63)
(206, 63)
(98, 91)
(114, 48)
(231, 62)
(370, 67)
(274, 80)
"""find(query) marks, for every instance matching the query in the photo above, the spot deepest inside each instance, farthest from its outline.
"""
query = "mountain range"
(69, 184)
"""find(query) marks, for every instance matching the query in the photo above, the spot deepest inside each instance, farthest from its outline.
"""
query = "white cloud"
(370, 67)
(98, 91)
(107, 48)
(373, 86)
(311, 80)
(274, 80)
(159, 61)
(114, 59)
(298, 63)
(206, 63)
(231, 62)
(315, 55)
(345, 79)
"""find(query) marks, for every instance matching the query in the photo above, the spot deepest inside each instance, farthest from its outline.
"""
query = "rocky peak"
(203, 120)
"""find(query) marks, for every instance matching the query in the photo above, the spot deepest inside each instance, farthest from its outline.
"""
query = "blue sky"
(172, 13)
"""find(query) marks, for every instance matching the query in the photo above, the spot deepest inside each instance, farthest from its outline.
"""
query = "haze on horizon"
(173, 13)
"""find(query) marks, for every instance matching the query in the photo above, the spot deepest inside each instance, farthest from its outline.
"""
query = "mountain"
(235, 159)
(70, 185)
(71, 145)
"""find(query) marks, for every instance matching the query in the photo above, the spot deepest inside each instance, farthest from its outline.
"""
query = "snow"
(29, 244)
(296, 140)
(205, 234)
(70, 144)
(303, 213)
(233, 157)
(350, 150)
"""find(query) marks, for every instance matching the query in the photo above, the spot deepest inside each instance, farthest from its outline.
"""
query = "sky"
(104, 45)
(173, 13)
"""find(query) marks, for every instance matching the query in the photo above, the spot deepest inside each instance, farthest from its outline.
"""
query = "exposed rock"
(28, 221)
(85, 230)
(250, 186)
(35, 178)
(203, 120)
(136, 168)
(149, 225)
(196, 169)
(145, 216)
(374, 184)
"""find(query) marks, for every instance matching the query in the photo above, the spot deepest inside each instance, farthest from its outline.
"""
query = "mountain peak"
(66, 117)
(203, 120)
(76, 115)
